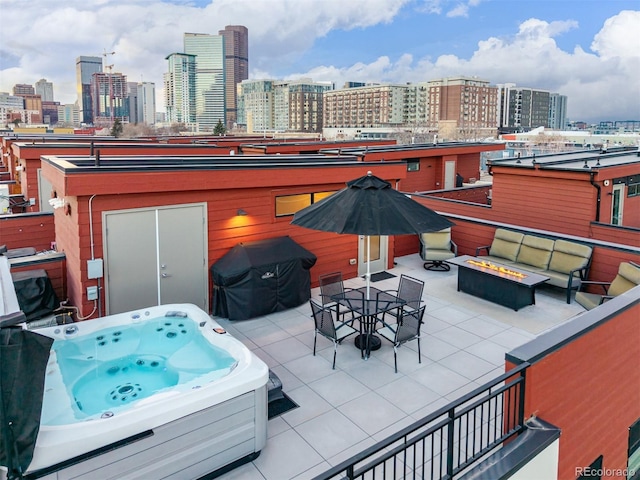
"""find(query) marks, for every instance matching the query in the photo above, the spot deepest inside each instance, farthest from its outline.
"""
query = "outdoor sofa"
(566, 263)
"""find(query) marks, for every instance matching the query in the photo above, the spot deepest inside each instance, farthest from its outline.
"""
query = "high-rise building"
(109, 95)
(521, 109)
(236, 48)
(85, 68)
(68, 114)
(255, 105)
(50, 112)
(462, 106)
(23, 89)
(210, 78)
(180, 89)
(371, 106)
(45, 90)
(10, 105)
(146, 112)
(298, 105)
(132, 101)
(557, 111)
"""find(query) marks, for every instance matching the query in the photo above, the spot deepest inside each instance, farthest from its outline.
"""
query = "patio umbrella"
(23, 361)
(370, 206)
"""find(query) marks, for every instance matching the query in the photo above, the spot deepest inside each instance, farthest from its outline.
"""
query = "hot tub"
(149, 394)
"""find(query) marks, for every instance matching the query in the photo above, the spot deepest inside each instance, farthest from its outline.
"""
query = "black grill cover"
(258, 278)
(36, 295)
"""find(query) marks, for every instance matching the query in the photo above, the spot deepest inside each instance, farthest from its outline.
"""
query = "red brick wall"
(589, 388)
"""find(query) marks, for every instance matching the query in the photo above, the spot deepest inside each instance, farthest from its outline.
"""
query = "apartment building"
(180, 88)
(371, 106)
(256, 105)
(461, 106)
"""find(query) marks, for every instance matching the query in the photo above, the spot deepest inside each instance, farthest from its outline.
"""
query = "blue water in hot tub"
(119, 365)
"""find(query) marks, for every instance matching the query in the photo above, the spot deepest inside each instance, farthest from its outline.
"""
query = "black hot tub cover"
(261, 277)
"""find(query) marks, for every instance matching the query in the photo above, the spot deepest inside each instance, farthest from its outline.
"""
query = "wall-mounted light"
(57, 202)
(242, 212)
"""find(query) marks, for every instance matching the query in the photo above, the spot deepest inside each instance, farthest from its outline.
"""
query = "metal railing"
(450, 440)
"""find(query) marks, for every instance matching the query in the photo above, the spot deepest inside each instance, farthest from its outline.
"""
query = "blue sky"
(588, 50)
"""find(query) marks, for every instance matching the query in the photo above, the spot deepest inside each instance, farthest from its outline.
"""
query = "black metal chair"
(406, 330)
(327, 326)
(410, 290)
(332, 284)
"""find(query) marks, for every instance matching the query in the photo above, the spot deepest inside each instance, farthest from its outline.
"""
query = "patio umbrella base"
(361, 342)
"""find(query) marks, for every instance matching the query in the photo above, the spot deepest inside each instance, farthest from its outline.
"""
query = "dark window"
(592, 472)
(633, 190)
(413, 165)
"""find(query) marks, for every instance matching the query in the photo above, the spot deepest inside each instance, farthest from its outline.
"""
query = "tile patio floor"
(343, 411)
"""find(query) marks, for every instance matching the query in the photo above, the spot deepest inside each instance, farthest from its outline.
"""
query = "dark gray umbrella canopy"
(370, 206)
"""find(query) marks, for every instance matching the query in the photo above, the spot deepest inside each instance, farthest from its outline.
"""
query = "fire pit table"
(501, 284)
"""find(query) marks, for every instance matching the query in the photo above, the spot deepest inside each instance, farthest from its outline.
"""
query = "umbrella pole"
(368, 265)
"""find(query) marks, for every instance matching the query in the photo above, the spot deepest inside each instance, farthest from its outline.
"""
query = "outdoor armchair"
(435, 248)
(406, 330)
(628, 277)
(327, 326)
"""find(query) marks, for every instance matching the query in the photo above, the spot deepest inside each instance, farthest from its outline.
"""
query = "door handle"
(165, 275)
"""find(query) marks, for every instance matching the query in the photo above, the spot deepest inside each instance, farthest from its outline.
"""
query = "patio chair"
(435, 248)
(327, 326)
(332, 284)
(628, 277)
(406, 330)
(410, 290)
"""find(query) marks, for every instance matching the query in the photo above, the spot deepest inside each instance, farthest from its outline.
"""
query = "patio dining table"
(367, 309)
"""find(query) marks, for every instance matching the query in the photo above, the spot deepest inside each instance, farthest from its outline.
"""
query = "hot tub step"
(274, 388)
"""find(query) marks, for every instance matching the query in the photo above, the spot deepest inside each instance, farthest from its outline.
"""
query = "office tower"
(180, 89)
(85, 68)
(50, 112)
(109, 97)
(210, 78)
(147, 103)
(23, 89)
(557, 111)
(132, 101)
(69, 114)
(462, 106)
(236, 48)
(45, 90)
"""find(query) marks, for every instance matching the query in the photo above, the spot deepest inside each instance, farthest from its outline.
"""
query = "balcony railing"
(449, 441)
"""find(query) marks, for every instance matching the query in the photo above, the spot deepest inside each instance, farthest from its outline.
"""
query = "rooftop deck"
(343, 411)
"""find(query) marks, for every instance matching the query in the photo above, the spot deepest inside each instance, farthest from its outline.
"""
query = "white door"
(44, 193)
(155, 256)
(378, 256)
(617, 202)
(449, 174)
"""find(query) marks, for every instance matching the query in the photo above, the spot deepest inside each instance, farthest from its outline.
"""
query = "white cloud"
(42, 38)
(600, 84)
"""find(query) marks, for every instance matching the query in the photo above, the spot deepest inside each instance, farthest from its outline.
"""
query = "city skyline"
(590, 53)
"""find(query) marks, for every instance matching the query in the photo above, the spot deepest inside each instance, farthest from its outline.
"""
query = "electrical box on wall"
(94, 268)
(92, 293)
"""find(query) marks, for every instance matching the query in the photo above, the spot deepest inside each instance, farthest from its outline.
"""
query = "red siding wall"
(589, 389)
(27, 230)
